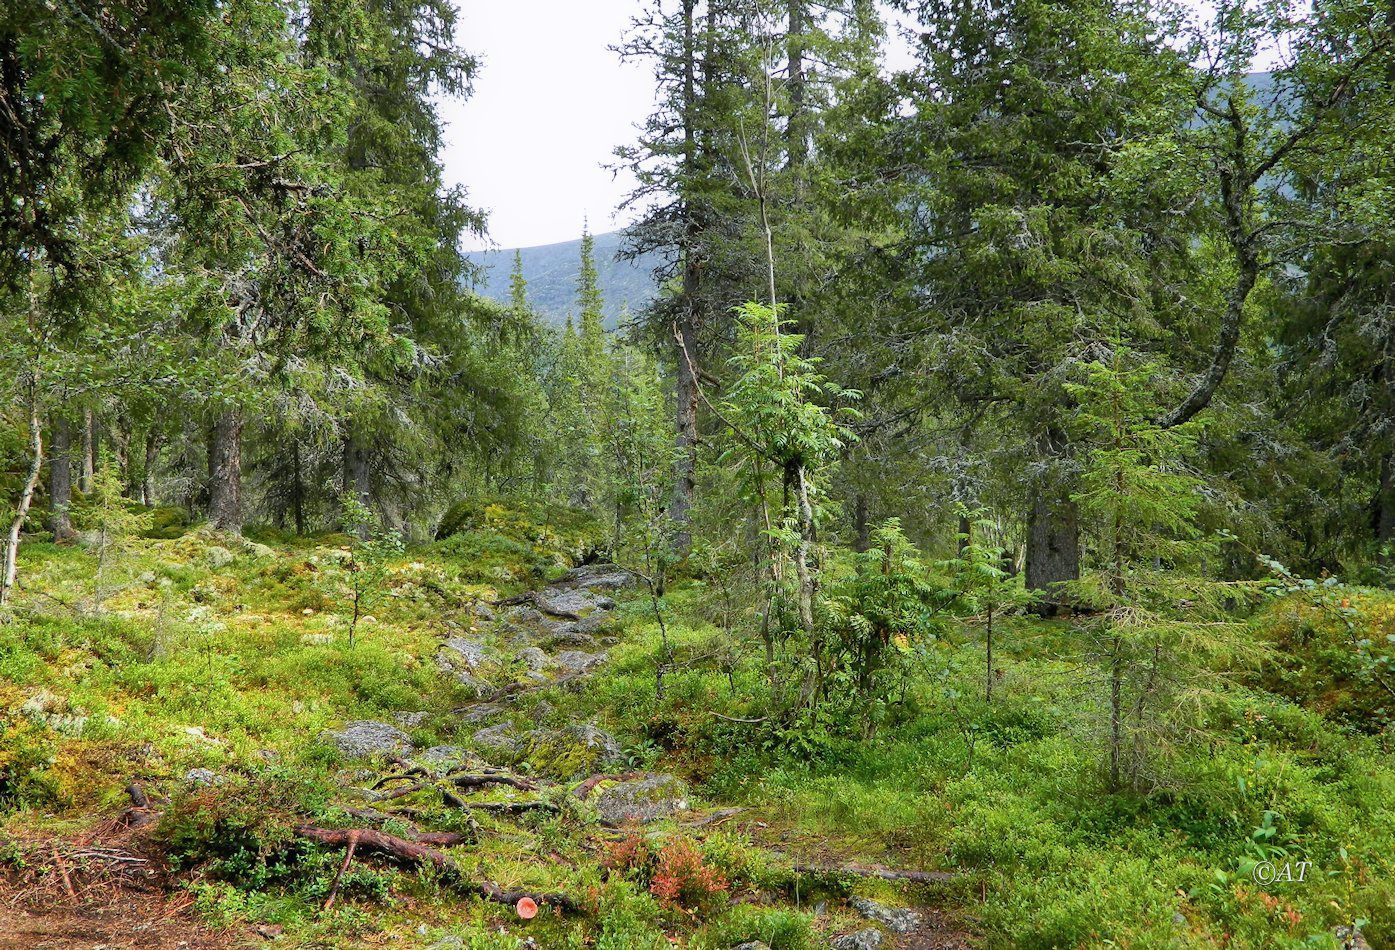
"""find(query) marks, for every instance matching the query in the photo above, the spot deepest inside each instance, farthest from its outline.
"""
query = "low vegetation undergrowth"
(233, 658)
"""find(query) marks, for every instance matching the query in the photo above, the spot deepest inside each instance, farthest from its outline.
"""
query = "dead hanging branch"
(358, 842)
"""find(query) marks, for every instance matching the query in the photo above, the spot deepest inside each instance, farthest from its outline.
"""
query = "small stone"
(367, 737)
(202, 778)
(642, 801)
(218, 557)
(483, 611)
(899, 919)
(198, 735)
(752, 945)
(410, 720)
(868, 939)
(481, 712)
(316, 639)
(535, 659)
(1351, 938)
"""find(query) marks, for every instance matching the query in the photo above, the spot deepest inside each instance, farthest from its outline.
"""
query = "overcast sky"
(551, 104)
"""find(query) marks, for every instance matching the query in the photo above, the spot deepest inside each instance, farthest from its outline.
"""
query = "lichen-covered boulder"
(868, 939)
(579, 661)
(457, 652)
(535, 659)
(573, 603)
(640, 801)
(902, 920)
(501, 738)
(606, 577)
(367, 737)
(575, 751)
(440, 759)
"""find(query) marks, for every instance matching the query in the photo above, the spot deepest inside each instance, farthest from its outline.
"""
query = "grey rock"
(443, 758)
(410, 720)
(368, 737)
(607, 577)
(574, 604)
(503, 738)
(201, 778)
(457, 652)
(900, 919)
(752, 945)
(578, 661)
(868, 939)
(481, 712)
(473, 685)
(483, 610)
(527, 622)
(569, 635)
(535, 659)
(1351, 938)
(651, 798)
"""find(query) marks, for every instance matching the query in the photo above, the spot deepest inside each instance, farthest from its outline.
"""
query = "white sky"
(551, 103)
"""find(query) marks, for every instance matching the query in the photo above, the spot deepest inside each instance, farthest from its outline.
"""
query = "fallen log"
(885, 874)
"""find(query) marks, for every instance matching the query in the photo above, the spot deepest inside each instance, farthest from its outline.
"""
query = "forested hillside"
(551, 271)
(980, 532)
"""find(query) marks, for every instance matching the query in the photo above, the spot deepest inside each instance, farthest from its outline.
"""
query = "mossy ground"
(239, 665)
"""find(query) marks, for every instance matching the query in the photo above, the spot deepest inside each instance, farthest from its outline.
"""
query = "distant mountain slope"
(552, 269)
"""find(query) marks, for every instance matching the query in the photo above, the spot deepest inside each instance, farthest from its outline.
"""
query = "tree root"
(588, 786)
(415, 854)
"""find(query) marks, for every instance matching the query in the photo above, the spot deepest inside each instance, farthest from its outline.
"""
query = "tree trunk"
(225, 471)
(356, 478)
(1385, 502)
(1053, 548)
(796, 129)
(147, 477)
(685, 327)
(966, 528)
(60, 481)
(121, 455)
(862, 531)
(26, 495)
(297, 489)
(89, 450)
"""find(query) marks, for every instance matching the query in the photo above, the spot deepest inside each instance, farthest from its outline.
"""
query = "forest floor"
(185, 749)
